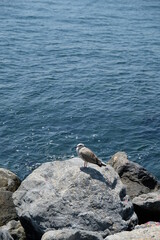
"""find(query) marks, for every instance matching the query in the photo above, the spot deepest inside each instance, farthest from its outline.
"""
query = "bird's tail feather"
(103, 164)
(100, 164)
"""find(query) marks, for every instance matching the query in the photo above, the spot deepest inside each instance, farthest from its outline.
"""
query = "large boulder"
(147, 207)
(136, 179)
(9, 182)
(63, 194)
(144, 232)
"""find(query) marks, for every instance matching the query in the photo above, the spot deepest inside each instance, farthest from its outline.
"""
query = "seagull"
(88, 156)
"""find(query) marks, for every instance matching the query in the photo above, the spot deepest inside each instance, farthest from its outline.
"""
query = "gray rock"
(136, 179)
(9, 182)
(4, 235)
(63, 194)
(70, 234)
(148, 224)
(144, 233)
(147, 207)
(12, 230)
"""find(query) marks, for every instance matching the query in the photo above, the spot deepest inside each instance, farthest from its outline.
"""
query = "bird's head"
(79, 146)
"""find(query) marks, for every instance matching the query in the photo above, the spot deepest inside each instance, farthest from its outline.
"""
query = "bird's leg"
(85, 164)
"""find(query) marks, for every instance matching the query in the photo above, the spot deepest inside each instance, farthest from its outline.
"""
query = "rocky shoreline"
(65, 201)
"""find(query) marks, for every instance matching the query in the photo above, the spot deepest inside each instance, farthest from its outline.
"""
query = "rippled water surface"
(79, 71)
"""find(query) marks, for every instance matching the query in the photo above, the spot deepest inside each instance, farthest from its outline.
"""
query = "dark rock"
(60, 195)
(9, 182)
(7, 208)
(136, 179)
(70, 234)
(147, 207)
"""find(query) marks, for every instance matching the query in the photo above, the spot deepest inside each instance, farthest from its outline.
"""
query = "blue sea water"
(79, 71)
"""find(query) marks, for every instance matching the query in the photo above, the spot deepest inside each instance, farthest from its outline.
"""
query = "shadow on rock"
(94, 174)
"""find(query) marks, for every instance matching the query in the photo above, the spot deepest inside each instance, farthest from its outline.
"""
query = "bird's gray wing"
(89, 156)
